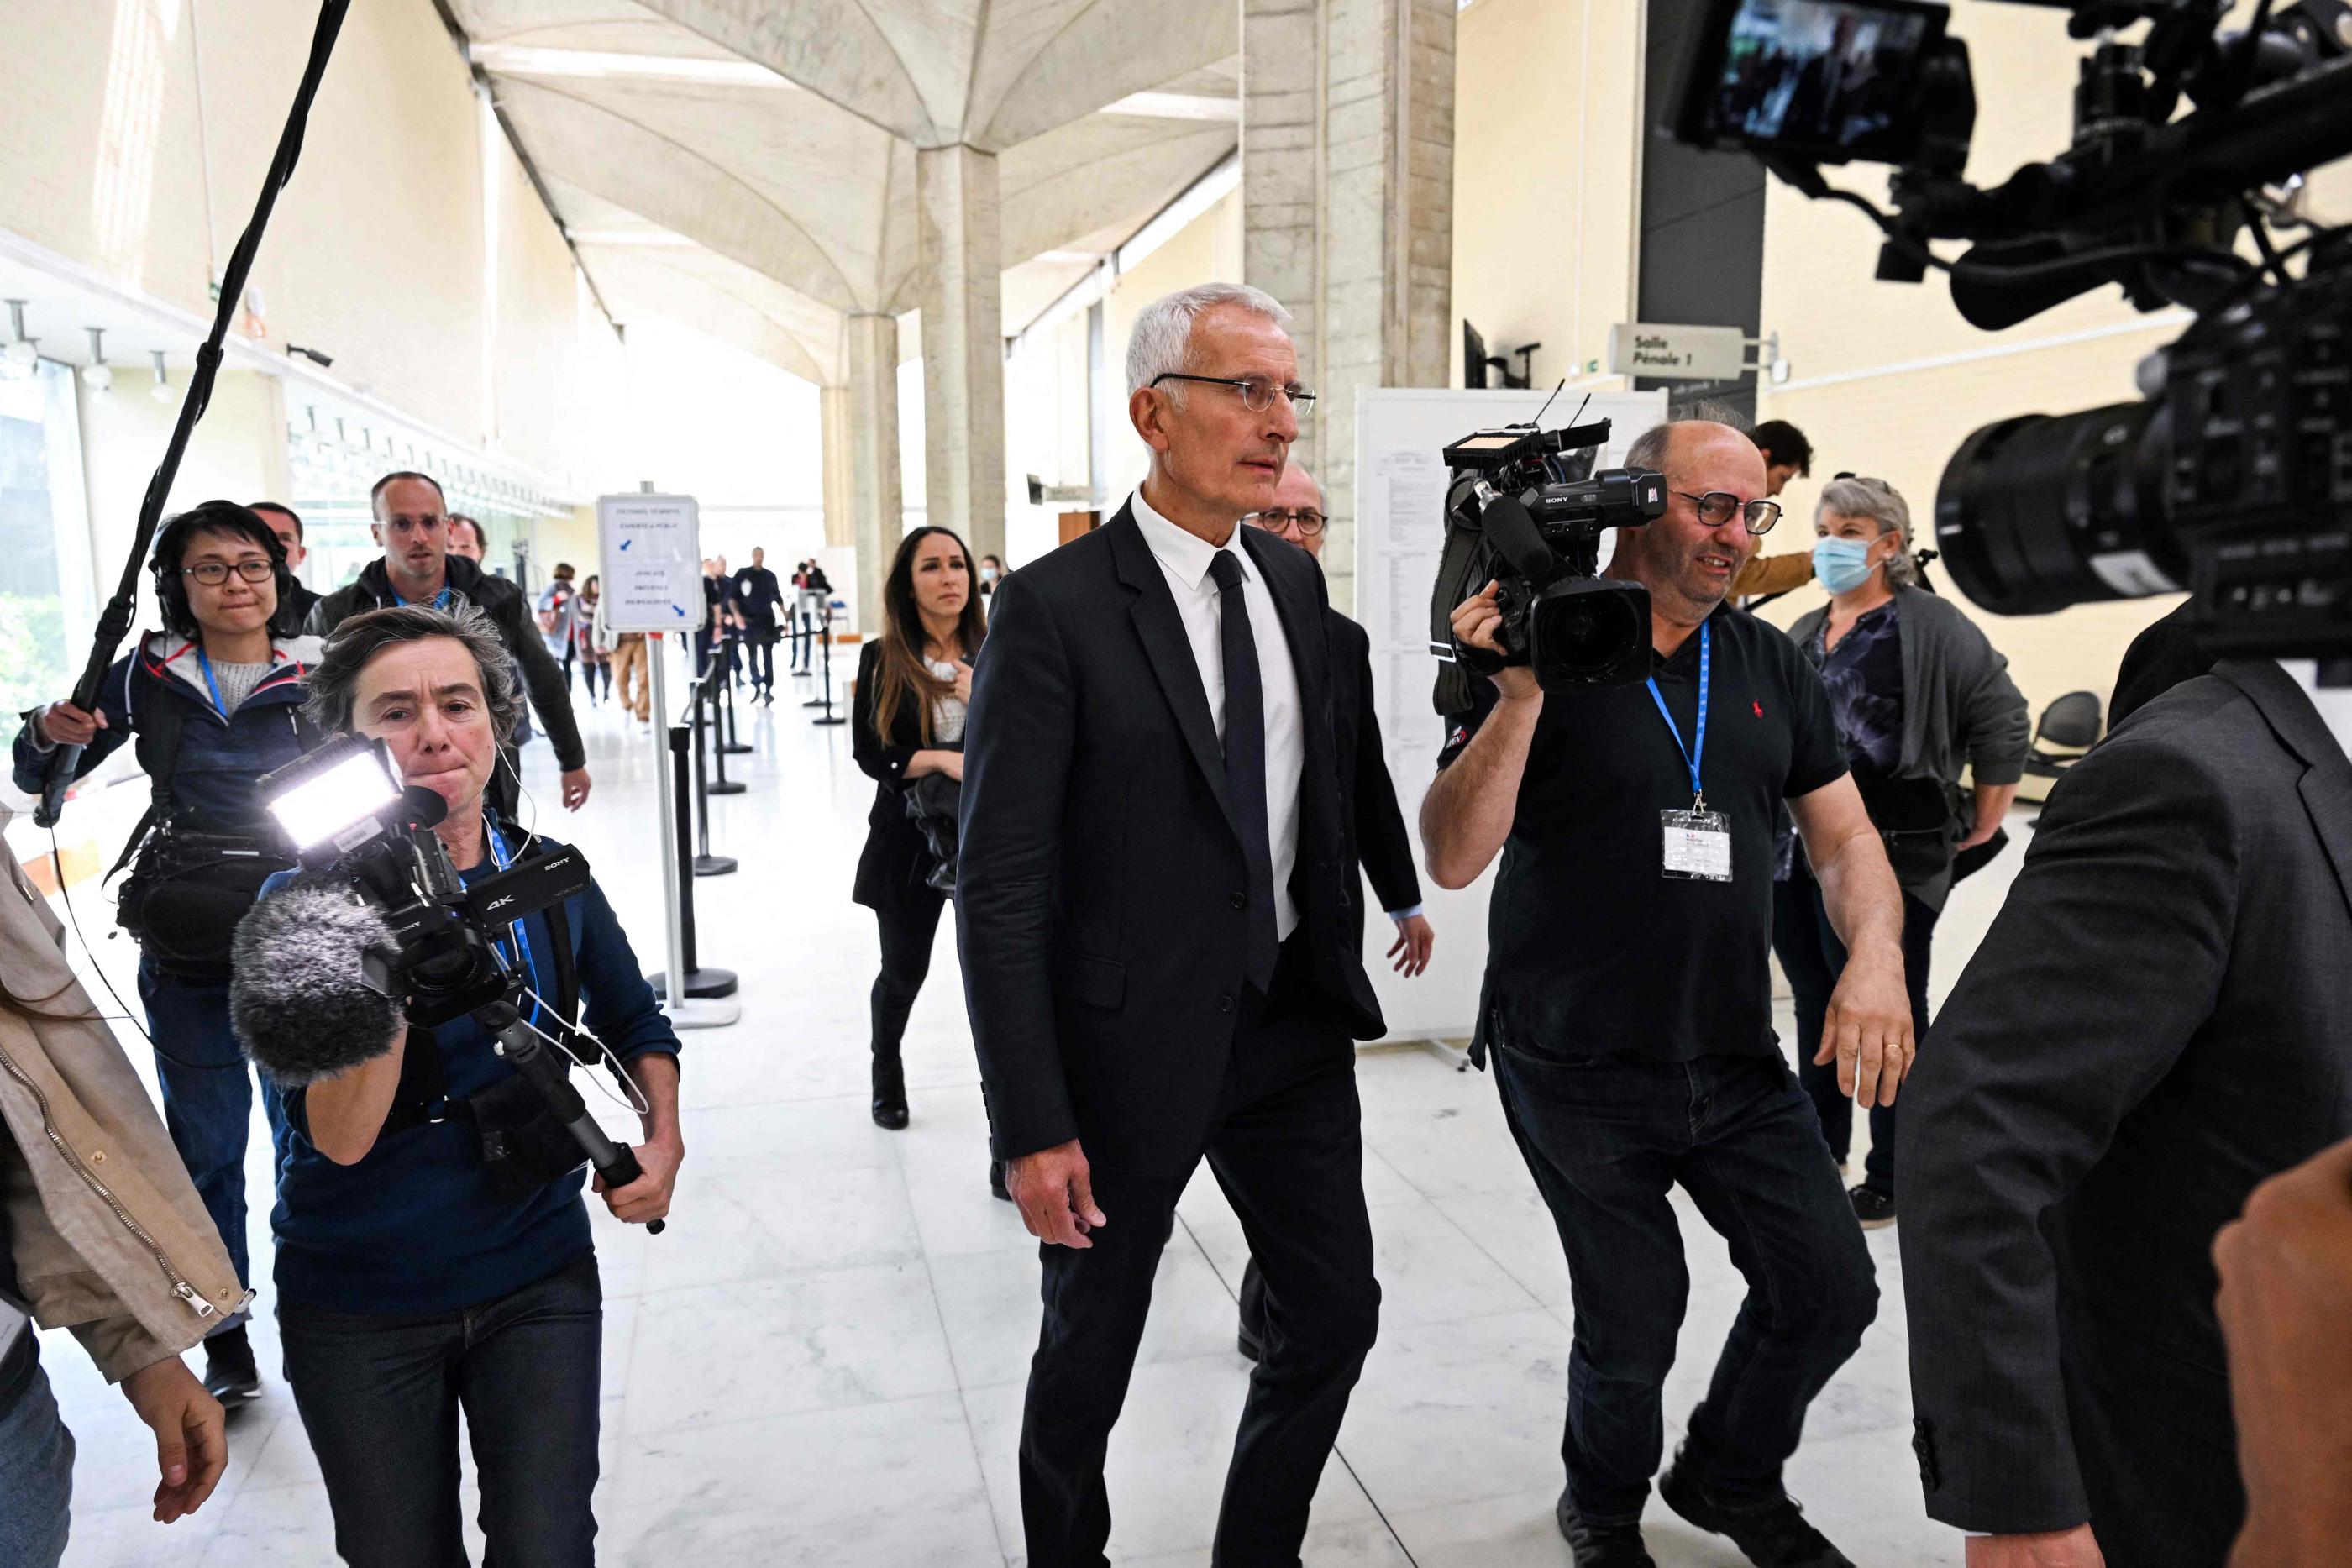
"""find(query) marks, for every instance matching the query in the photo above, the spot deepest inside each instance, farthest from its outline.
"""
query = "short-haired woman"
(1919, 693)
(413, 1281)
(214, 702)
(907, 723)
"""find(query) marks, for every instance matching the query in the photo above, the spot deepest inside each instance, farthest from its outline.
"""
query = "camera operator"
(2155, 1023)
(418, 567)
(906, 719)
(1627, 1008)
(1919, 693)
(415, 1274)
(214, 702)
(287, 524)
(71, 1258)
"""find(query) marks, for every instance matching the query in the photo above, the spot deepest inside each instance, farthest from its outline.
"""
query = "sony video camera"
(1525, 509)
(2232, 479)
(349, 821)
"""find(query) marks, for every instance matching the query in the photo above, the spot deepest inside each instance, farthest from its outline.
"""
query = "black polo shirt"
(1591, 949)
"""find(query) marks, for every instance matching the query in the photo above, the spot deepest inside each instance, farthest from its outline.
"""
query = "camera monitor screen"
(1829, 80)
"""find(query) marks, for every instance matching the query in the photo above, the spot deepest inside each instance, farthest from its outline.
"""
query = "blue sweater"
(414, 1227)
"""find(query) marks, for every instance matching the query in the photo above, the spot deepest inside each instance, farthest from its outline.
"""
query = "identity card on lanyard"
(1698, 842)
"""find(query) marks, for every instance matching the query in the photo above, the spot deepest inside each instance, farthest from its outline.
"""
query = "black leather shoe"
(1770, 1534)
(1874, 1209)
(996, 1180)
(889, 1094)
(1601, 1545)
(230, 1375)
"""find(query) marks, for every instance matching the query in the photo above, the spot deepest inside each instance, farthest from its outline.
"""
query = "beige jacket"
(110, 1238)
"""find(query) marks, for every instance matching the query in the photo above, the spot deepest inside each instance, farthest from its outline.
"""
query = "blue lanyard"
(521, 937)
(440, 599)
(1690, 754)
(205, 664)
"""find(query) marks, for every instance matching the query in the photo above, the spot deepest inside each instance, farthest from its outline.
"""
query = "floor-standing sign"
(650, 555)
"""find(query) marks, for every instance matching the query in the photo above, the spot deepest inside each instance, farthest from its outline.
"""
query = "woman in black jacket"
(907, 724)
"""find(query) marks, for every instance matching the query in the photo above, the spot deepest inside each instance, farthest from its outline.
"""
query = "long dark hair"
(900, 674)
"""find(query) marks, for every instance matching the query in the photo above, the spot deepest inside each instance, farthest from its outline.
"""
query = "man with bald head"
(1628, 1009)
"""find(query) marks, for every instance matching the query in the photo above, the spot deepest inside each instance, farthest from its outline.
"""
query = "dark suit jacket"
(1101, 890)
(2157, 1022)
(1375, 828)
(892, 866)
(2162, 656)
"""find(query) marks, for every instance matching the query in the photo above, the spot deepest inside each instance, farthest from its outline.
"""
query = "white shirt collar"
(1182, 554)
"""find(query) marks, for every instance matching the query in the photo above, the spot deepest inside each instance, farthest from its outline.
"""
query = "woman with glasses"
(214, 701)
(1919, 694)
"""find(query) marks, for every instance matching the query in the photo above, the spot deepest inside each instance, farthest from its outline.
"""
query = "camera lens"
(1589, 632)
(2042, 511)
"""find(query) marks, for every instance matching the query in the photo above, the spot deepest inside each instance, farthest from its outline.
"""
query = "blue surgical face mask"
(1843, 565)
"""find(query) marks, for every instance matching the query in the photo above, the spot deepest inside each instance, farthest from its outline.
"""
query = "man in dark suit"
(1377, 840)
(2154, 1025)
(1157, 945)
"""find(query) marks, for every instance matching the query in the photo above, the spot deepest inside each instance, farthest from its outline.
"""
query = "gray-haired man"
(1159, 947)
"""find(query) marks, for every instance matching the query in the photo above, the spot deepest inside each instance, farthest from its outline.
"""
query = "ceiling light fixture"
(96, 375)
(161, 392)
(21, 354)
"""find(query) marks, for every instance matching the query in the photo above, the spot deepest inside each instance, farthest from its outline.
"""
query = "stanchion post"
(716, 700)
(686, 1008)
(824, 631)
(704, 863)
(728, 746)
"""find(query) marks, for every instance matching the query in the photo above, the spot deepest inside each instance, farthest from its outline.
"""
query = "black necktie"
(1245, 763)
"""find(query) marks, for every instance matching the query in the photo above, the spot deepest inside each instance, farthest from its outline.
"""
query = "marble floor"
(822, 1360)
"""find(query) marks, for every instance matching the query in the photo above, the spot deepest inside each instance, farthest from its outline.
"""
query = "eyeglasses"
(1257, 391)
(213, 573)
(1717, 507)
(1308, 519)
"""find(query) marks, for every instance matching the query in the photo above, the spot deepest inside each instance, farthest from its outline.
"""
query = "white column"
(963, 344)
(861, 443)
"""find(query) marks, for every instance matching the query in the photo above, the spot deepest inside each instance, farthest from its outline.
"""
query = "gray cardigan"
(1958, 704)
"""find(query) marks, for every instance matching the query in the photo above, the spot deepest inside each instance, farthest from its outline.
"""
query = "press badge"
(1697, 844)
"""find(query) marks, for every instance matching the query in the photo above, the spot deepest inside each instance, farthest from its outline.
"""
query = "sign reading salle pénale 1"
(1679, 353)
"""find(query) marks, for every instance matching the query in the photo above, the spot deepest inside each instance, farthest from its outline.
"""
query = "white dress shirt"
(1184, 560)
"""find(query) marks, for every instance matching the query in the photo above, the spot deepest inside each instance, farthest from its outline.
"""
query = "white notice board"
(1401, 481)
(649, 556)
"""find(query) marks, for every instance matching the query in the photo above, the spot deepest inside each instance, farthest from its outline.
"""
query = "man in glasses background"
(1628, 1009)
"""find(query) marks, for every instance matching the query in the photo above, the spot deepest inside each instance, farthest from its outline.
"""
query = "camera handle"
(523, 1051)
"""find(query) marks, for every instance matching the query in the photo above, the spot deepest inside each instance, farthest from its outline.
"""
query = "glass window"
(46, 605)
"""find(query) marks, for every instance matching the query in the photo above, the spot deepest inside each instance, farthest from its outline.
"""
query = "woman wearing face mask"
(907, 723)
(1919, 693)
(991, 569)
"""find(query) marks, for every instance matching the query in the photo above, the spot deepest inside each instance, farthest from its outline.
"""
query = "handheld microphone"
(299, 996)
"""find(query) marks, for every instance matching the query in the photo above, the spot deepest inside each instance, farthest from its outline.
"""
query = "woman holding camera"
(417, 1274)
(905, 725)
(214, 701)
(1919, 694)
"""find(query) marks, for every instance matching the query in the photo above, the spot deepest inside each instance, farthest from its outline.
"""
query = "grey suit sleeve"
(2104, 962)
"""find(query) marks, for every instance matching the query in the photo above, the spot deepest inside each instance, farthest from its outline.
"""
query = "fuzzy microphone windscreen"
(297, 994)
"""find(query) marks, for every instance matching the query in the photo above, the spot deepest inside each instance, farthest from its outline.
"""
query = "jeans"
(1812, 957)
(908, 926)
(379, 1396)
(207, 1099)
(37, 1459)
(1606, 1138)
(761, 641)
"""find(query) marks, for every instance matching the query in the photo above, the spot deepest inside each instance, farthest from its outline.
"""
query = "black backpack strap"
(165, 726)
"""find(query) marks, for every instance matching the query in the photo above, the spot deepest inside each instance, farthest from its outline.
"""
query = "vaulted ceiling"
(747, 167)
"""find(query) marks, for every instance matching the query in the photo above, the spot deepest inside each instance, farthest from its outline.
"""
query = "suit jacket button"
(1241, 901)
(1224, 1004)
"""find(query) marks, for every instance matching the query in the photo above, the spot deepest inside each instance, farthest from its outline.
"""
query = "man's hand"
(575, 788)
(2287, 1317)
(1867, 1029)
(62, 724)
(1411, 949)
(1478, 622)
(1053, 1189)
(648, 1198)
(2074, 1548)
(191, 1435)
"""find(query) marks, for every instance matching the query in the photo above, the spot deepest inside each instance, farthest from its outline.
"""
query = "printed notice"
(649, 556)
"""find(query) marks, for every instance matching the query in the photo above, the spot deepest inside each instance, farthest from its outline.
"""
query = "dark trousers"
(1812, 957)
(703, 641)
(1287, 1148)
(908, 926)
(379, 1396)
(762, 639)
(1606, 1138)
(207, 1098)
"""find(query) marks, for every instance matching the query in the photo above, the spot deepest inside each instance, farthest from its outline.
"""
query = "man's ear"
(1148, 411)
(375, 532)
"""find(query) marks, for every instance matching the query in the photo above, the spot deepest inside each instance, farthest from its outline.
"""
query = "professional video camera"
(2233, 478)
(379, 928)
(1525, 509)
